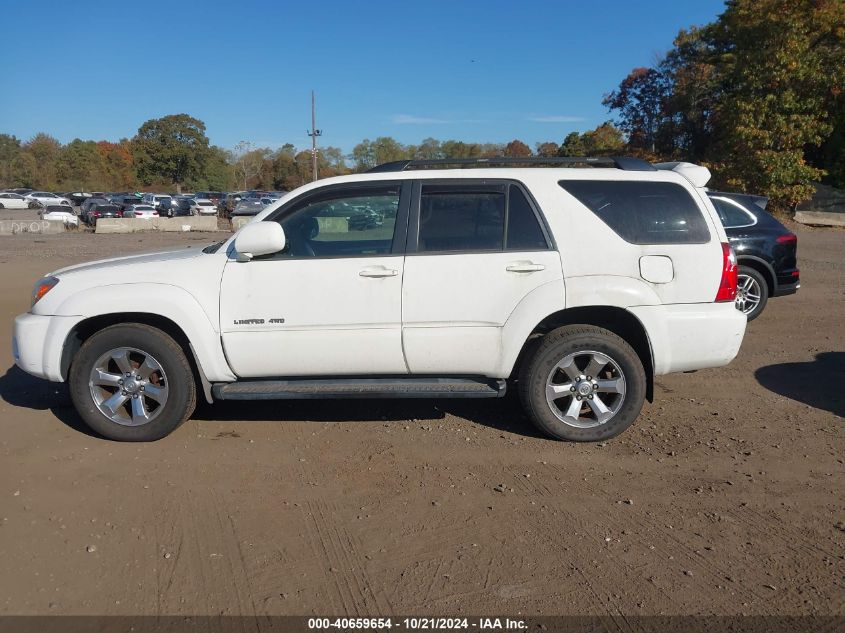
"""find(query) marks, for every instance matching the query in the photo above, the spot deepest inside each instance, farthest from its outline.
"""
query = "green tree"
(429, 149)
(606, 139)
(173, 148)
(573, 145)
(547, 149)
(80, 165)
(44, 149)
(783, 69)
(218, 173)
(384, 149)
(10, 149)
(24, 171)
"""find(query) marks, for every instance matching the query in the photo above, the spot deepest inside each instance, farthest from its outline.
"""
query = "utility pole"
(314, 133)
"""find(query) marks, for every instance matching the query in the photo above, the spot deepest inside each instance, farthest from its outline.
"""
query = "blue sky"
(470, 70)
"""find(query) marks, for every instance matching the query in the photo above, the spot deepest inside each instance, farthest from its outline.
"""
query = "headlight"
(41, 288)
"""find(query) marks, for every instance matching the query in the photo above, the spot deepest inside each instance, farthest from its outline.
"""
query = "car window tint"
(461, 218)
(643, 212)
(357, 222)
(524, 232)
(730, 214)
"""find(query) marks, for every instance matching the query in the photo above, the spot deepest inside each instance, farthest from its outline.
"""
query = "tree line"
(757, 95)
(174, 153)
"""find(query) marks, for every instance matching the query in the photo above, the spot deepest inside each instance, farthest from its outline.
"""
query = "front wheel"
(132, 382)
(752, 292)
(582, 383)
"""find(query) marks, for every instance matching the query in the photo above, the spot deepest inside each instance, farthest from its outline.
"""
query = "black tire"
(1, 206)
(574, 339)
(760, 281)
(181, 397)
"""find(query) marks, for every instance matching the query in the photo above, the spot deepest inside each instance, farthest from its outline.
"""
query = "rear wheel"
(582, 383)
(752, 292)
(132, 382)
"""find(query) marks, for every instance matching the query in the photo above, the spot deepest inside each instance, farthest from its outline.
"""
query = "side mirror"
(259, 238)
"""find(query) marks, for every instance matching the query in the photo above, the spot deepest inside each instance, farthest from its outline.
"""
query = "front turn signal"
(44, 285)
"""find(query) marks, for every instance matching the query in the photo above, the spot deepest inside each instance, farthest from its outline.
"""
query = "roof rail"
(619, 162)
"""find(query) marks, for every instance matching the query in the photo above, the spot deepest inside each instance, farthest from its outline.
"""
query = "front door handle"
(524, 267)
(378, 272)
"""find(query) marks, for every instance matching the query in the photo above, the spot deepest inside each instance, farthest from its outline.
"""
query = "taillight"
(789, 238)
(727, 286)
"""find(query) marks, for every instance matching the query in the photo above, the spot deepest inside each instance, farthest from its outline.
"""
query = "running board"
(304, 388)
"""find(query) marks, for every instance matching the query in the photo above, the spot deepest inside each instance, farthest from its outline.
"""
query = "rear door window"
(461, 218)
(477, 217)
(643, 212)
(731, 214)
(524, 232)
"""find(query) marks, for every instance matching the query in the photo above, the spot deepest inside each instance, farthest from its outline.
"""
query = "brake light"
(789, 238)
(727, 286)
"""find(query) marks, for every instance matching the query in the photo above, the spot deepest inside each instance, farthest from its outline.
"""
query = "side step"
(397, 387)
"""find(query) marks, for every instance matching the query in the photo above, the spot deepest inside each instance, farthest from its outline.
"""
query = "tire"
(587, 346)
(747, 300)
(1, 206)
(143, 347)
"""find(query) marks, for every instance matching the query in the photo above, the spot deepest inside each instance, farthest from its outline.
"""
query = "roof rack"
(619, 162)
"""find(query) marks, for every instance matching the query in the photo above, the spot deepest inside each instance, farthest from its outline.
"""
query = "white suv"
(578, 285)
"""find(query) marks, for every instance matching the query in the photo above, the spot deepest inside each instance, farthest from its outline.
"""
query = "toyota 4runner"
(577, 283)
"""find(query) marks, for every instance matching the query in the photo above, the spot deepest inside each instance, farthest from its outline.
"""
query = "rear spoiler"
(698, 175)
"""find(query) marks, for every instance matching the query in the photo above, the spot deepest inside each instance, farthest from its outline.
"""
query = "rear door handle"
(524, 267)
(378, 272)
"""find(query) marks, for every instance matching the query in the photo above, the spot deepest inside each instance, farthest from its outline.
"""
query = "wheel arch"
(762, 267)
(86, 328)
(615, 319)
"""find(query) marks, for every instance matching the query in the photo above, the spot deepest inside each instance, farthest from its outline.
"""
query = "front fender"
(171, 302)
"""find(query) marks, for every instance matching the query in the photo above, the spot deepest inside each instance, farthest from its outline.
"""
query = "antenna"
(314, 133)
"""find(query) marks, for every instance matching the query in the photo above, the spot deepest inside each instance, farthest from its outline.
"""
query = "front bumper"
(38, 342)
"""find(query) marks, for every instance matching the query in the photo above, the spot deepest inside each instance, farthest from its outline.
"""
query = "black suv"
(766, 250)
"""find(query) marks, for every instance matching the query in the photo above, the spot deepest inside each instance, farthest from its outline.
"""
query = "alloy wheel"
(585, 389)
(748, 294)
(128, 386)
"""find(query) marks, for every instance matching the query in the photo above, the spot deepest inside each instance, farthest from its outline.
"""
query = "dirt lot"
(726, 497)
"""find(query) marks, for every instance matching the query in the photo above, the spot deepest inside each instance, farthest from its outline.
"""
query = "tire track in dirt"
(332, 543)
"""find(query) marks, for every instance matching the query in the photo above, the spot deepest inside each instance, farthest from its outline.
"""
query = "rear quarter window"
(643, 212)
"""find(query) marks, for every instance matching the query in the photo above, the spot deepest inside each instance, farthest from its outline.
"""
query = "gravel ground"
(725, 497)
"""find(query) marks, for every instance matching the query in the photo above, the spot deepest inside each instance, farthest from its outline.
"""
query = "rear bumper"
(38, 341)
(686, 337)
(787, 285)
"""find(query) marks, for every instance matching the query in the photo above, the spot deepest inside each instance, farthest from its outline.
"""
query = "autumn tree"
(517, 149)
(640, 100)
(173, 148)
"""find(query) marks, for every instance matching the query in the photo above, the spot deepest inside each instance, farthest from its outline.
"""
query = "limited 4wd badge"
(257, 321)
